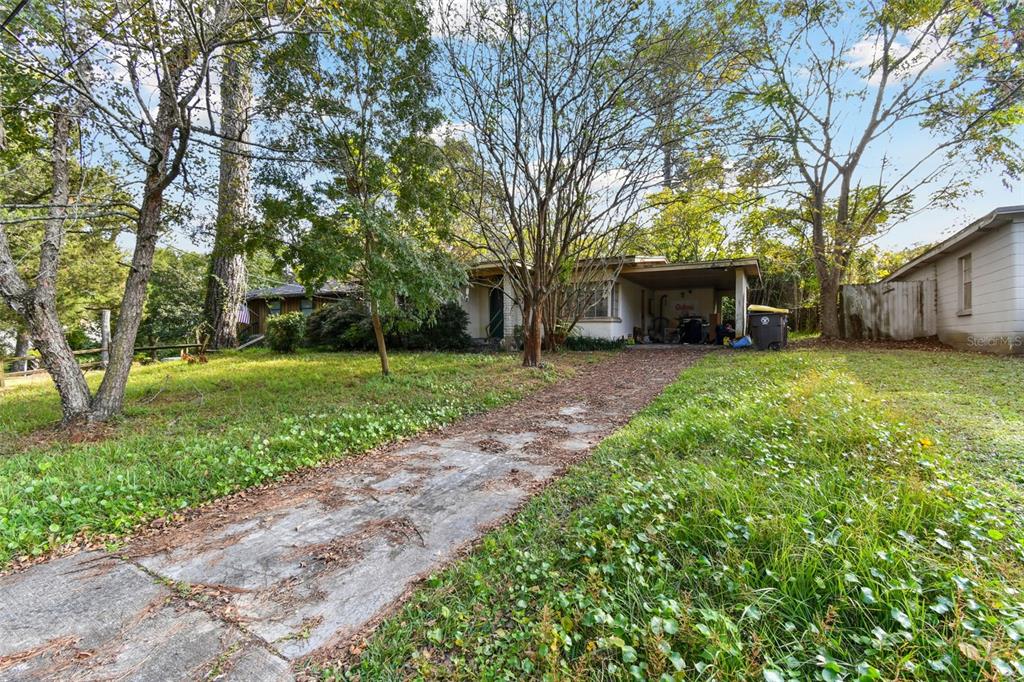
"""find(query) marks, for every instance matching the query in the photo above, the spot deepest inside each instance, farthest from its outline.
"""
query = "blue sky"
(936, 223)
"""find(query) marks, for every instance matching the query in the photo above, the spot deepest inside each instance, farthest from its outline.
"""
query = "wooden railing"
(5, 360)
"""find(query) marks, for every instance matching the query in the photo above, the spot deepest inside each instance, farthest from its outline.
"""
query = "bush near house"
(787, 516)
(284, 332)
(579, 342)
(345, 325)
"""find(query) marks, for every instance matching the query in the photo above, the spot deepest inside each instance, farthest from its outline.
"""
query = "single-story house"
(978, 276)
(642, 295)
(288, 298)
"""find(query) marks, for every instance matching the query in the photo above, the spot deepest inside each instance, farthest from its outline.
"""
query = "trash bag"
(742, 342)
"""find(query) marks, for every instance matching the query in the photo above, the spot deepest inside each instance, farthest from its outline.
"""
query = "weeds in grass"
(263, 417)
(771, 516)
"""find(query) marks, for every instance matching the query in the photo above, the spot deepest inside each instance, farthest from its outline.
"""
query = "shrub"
(346, 325)
(447, 331)
(284, 332)
(593, 343)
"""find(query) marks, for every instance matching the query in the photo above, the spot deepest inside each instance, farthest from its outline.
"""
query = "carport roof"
(721, 274)
(656, 272)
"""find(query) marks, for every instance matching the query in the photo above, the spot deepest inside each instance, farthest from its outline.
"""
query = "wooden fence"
(101, 352)
(888, 310)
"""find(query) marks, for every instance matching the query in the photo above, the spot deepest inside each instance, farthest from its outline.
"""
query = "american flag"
(243, 315)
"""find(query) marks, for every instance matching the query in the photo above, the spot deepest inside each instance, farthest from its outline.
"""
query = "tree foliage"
(174, 302)
(355, 99)
(836, 86)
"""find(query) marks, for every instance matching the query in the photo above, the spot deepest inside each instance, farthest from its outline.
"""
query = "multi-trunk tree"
(565, 135)
(134, 77)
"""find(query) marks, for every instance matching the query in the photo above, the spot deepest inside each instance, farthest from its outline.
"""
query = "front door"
(496, 314)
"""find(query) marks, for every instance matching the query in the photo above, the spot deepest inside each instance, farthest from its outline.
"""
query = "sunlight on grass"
(812, 514)
(191, 433)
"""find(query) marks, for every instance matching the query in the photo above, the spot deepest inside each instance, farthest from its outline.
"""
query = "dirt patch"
(490, 445)
(72, 434)
(931, 343)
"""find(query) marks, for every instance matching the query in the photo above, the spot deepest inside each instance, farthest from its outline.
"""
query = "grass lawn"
(191, 433)
(813, 514)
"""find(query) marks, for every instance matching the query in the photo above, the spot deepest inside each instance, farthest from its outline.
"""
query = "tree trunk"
(829, 306)
(378, 333)
(22, 345)
(225, 288)
(532, 335)
(40, 311)
(160, 171)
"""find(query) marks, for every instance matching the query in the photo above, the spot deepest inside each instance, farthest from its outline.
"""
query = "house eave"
(992, 220)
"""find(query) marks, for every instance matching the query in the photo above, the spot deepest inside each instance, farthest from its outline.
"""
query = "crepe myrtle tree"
(368, 205)
(131, 77)
(839, 87)
(566, 142)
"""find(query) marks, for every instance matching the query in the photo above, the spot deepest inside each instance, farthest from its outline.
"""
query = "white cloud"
(921, 51)
(449, 130)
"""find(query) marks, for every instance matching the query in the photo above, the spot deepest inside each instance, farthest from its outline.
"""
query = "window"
(274, 307)
(306, 306)
(965, 284)
(604, 304)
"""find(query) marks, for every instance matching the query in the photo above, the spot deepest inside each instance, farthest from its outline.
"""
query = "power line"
(59, 75)
(14, 13)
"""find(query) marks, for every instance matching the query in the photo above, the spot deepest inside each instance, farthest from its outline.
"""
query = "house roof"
(993, 220)
(295, 290)
(635, 264)
(492, 267)
(685, 274)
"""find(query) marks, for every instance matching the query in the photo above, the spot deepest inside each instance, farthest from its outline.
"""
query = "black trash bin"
(767, 328)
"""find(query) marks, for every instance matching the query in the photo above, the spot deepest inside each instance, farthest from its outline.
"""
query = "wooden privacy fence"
(888, 310)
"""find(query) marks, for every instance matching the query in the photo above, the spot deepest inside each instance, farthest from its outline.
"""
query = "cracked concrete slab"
(303, 569)
(93, 616)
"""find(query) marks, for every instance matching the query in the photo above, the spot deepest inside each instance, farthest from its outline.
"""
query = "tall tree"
(837, 90)
(135, 75)
(225, 287)
(355, 99)
(550, 97)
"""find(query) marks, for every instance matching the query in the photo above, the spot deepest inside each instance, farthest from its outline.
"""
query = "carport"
(690, 289)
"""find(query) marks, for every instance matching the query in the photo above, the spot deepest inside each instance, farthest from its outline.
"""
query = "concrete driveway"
(252, 586)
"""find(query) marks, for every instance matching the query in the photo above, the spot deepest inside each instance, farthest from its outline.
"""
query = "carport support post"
(741, 302)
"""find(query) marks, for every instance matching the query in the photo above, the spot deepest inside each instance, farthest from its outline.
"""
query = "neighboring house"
(646, 292)
(289, 298)
(979, 283)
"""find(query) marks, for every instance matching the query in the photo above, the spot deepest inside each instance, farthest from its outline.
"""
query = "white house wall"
(475, 303)
(996, 322)
(621, 326)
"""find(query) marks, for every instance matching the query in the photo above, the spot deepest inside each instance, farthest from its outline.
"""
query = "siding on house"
(259, 310)
(477, 306)
(996, 319)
